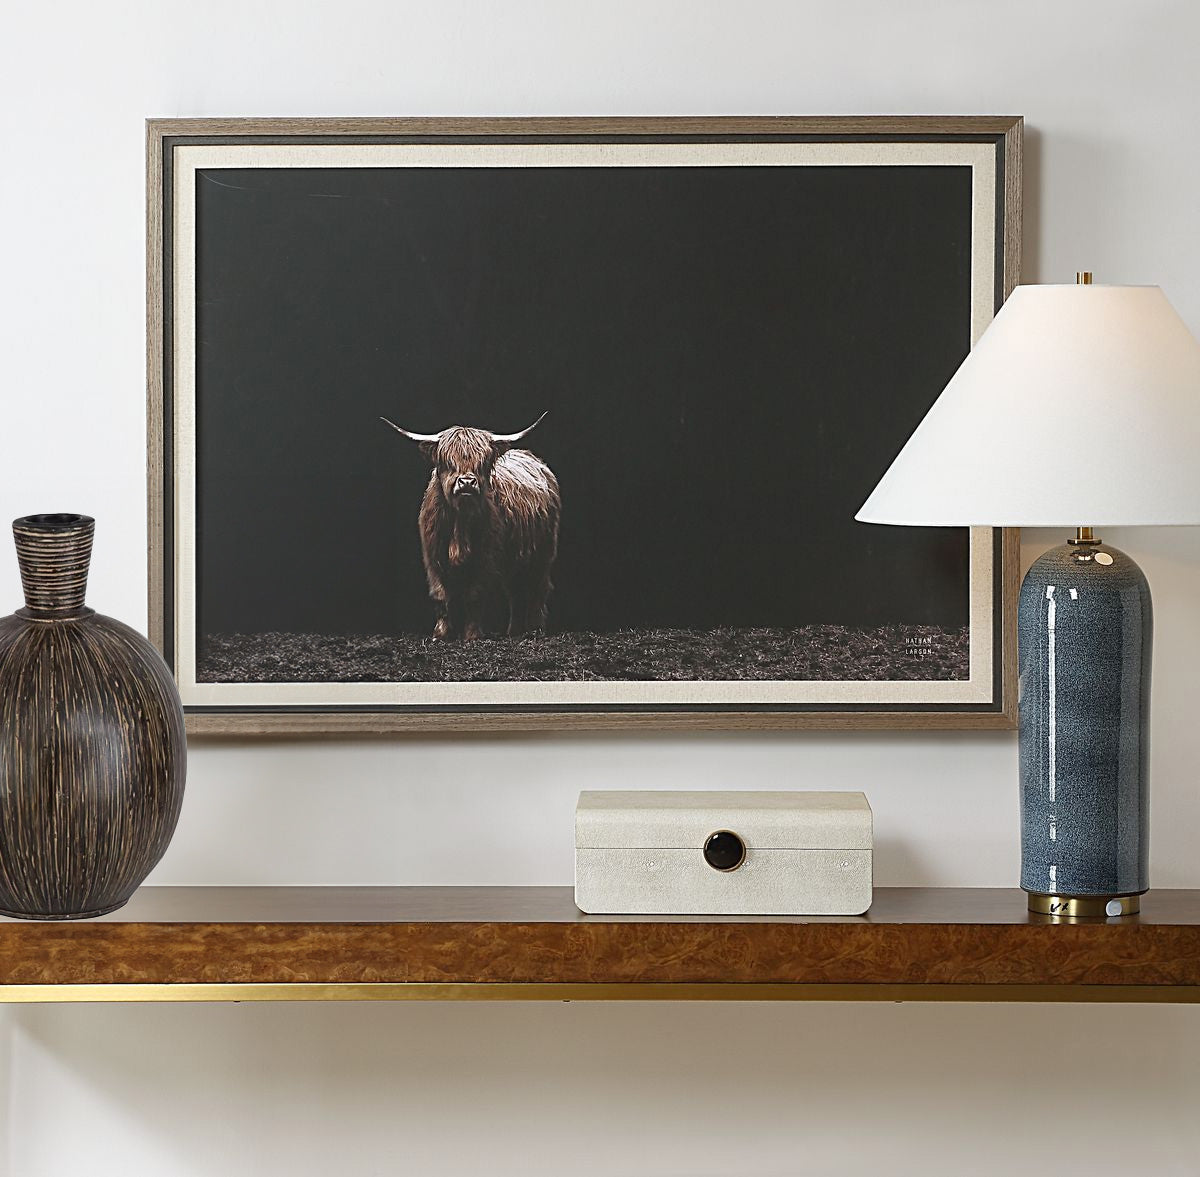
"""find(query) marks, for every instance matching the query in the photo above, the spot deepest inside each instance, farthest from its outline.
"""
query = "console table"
(531, 943)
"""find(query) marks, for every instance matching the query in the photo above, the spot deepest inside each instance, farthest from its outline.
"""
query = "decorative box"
(721, 853)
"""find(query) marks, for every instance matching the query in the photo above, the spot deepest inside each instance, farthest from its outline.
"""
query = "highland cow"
(489, 529)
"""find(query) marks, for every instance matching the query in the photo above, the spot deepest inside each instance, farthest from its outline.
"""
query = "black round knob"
(724, 850)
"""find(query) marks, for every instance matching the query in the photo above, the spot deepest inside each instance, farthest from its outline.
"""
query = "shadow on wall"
(897, 859)
(500, 809)
(622, 1088)
(7, 1083)
(1092, 169)
(1032, 198)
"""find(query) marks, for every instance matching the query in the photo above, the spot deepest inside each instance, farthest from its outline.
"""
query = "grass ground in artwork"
(815, 652)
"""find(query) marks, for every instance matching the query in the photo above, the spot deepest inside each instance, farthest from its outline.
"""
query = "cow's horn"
(415, 436)
(513, 438)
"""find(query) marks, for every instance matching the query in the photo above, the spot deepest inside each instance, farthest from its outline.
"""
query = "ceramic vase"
(1085, 627)
(92, 747)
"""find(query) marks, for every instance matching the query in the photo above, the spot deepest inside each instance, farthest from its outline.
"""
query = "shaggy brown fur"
(489, 531)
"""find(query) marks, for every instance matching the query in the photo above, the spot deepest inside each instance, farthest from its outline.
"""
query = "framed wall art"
(562, 423)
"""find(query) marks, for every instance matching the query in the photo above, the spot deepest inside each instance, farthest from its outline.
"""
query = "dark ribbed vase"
(92, 748)
(1084, 635)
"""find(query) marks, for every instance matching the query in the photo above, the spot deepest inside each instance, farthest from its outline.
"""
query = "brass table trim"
(603, 991)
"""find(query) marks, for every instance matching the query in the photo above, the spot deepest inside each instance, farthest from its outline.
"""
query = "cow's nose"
(466, 482)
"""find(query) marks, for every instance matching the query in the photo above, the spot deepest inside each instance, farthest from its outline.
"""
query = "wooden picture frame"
(983, 152)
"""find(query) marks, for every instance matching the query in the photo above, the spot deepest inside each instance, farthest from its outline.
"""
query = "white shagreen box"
(720, 853)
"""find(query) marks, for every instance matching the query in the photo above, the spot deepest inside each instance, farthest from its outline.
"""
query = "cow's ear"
(429, 449)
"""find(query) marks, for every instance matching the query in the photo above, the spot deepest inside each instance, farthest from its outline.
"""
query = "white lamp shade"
(1079, 406)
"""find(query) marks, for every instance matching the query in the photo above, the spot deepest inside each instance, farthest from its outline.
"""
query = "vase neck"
(54, 552)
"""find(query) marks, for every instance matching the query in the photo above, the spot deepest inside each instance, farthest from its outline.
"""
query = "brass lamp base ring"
(1085, 906)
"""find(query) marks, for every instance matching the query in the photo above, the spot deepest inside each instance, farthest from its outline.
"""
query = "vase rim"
(54, 521)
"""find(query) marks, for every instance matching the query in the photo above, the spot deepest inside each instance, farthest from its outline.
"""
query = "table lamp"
(1079, 406)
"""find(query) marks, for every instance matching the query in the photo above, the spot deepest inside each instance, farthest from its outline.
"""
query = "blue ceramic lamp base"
(1084, 633)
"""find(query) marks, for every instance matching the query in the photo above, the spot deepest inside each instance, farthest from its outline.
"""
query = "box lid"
(777, 820)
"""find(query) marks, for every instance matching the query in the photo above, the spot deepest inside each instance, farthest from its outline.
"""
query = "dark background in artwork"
(730, 358)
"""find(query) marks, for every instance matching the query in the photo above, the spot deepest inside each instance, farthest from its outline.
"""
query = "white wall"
(1108, 89)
